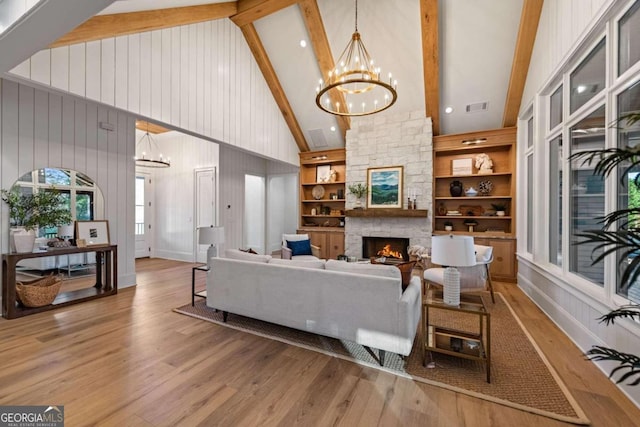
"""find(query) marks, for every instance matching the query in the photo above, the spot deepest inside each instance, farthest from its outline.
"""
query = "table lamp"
(450, 252)
(66, 231)
(212, 236)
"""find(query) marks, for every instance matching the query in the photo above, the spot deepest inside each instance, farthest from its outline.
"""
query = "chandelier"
(149, 161)
(355, 87)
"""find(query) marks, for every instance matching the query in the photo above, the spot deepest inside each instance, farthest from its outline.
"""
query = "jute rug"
(521, 377)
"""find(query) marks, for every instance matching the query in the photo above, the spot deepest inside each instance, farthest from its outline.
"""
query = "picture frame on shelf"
(94, 233)
(462, 166)
(384, 185)
(323, 173)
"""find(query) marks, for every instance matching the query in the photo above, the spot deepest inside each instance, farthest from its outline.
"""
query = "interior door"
(205, 207)
(143, 202)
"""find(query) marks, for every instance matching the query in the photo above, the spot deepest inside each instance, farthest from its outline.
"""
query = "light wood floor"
(129, 360)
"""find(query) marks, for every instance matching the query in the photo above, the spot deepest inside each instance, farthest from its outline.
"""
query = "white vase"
(500, 213)
(23, 240)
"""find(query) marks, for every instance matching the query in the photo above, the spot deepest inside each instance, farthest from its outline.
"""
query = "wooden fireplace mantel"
(387, 213)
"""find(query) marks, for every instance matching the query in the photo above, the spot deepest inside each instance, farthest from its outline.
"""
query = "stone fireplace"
(389, 247)
(390, 140)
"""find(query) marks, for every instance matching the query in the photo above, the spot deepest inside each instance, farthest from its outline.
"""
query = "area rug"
(521, 376)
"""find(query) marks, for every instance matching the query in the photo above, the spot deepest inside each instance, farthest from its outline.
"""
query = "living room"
(70, 106)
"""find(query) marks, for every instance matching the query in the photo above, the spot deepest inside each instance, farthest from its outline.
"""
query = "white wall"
(174, 210)
(282, 208)
(563, 27)
(200, 78)
(41, 129)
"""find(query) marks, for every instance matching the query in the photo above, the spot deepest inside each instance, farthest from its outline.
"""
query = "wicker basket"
(38, 292)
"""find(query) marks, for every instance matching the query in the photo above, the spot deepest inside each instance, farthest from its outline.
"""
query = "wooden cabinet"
(475, 214)
(331, 242)
(503, 267)
(322, 201)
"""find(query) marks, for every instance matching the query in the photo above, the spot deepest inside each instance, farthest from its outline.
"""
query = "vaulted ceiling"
(470, 55)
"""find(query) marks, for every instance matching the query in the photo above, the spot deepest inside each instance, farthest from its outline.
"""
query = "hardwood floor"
(129, 360)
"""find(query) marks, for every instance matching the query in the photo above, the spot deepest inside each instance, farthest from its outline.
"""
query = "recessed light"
(448, 110)
(303, 43)
(333, 128)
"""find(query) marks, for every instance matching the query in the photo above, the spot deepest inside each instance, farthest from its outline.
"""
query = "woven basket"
(38, 292)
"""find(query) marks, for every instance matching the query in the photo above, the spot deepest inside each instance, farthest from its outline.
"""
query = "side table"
(454, 341)
(194, 294)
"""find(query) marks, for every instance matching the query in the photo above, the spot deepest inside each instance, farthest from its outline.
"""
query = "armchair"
(472, 279)
(287, 252)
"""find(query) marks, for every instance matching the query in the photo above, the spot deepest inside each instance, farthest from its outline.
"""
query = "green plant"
(618, 236)
(499, 206)
(41, 209)
(448, 224)
(359, 190)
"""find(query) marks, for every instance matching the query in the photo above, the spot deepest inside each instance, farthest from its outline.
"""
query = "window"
(555, 201)
(629, 39)
(588, 78)
(555, 108)
(530, 133)
(139, 205)
(587, 201)
(78, 191)
(530, 203)
(628, 191)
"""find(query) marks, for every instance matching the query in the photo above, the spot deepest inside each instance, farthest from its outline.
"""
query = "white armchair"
(287, 252)
(472, 279)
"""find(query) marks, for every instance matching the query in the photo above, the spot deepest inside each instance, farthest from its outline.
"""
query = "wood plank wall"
(41, 129)
(201, 78)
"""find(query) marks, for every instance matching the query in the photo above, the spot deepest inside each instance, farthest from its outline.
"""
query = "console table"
(106, 279)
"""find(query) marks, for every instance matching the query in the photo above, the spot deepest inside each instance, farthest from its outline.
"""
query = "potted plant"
(617, 237)
(500, 208)
(448, 226)
(27, 212)
(359, 190)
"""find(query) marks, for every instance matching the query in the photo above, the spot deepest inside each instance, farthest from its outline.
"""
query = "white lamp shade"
(65, 230)
(453, 251)
(210, 235)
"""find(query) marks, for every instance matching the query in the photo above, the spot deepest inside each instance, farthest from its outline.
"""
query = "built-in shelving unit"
(322, 217)
(477, 212)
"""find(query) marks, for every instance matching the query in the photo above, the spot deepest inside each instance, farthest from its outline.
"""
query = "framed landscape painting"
(385, 187)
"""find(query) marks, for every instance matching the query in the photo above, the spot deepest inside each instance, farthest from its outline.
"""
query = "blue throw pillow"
(300, 247)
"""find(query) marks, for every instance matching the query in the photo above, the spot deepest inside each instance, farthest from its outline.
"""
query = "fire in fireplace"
(389, 247)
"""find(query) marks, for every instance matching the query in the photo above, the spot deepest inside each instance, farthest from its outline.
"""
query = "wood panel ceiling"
(419, 17)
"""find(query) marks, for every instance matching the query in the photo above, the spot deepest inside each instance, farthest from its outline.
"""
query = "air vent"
(477, 107)
(317, 138)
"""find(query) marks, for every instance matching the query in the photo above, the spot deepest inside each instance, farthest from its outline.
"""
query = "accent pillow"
(301, 247)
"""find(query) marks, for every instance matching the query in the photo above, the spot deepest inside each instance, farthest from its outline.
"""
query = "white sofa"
(358, 302)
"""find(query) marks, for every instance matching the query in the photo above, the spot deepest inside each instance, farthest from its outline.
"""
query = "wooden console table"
(106, 279)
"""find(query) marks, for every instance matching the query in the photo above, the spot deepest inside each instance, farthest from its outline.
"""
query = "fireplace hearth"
(389, 247)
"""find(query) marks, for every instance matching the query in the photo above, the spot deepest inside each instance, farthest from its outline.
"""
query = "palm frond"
(623, 242)
(626, 362)
(624, 311)
(619, 218)
(607, 160)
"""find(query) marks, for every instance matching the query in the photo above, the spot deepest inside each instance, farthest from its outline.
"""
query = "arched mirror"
(84, 201)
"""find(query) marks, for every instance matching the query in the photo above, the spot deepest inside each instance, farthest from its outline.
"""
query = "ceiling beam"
(531, 10)
(318, 36)
(153, 128)
(120, 24)
(430, 61)
(250, 11)
(260, 55)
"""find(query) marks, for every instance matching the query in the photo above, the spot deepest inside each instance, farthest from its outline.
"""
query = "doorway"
(254, 213)
(143, 217)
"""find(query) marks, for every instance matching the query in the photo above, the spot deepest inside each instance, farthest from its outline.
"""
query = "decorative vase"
(448, 228)
(456, 189)
(23, 240)
(500, 213)
(358, 204)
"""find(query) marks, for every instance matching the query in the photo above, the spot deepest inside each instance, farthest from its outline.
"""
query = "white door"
(205, 207)
(143, 202)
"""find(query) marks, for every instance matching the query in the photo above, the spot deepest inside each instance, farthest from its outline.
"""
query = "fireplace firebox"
(389, 247)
